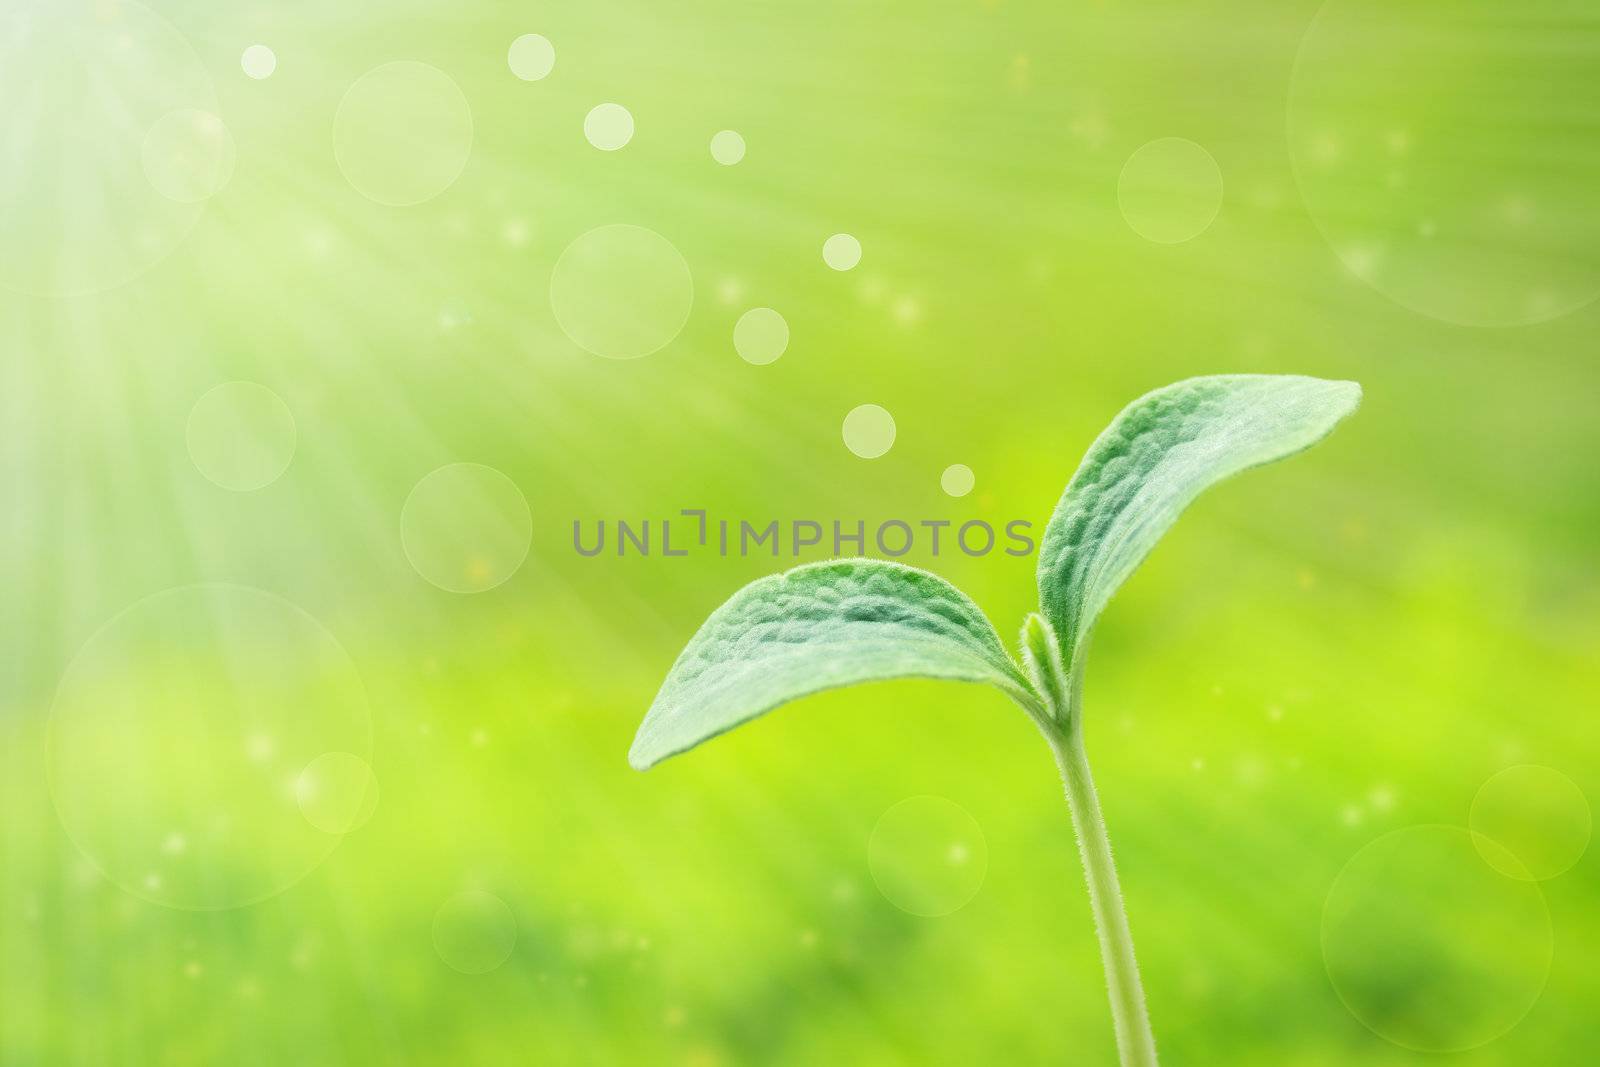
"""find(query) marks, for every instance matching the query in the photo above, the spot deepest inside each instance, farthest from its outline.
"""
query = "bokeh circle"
(928, 856)
(1169, 190)
(957, 479)
(760, 336)
(178, 734)
(337, 792)
(258, 61)
(1535, 814)
(621, 291)
(608, 126)
(466, 527)
(188, 155)
(1430, 947)
(727, 147)
(531, 57)
(841, 251)
(474, 932)
(1435, 148)
(403, 133)
(241, 436)
(868, 430)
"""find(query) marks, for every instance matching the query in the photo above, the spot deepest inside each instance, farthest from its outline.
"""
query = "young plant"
(832, 624)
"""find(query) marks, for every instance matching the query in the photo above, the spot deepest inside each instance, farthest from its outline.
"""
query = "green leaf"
(817, 627)
(1160, 453)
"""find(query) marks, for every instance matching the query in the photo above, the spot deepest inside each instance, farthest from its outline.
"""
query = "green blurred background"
(329, 808)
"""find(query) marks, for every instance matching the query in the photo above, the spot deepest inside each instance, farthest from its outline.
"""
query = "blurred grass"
(1402, 612)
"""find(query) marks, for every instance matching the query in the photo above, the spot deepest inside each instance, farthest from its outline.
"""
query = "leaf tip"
(1327, 401)
(1348, 391)
(641, 755)
(1344, 400)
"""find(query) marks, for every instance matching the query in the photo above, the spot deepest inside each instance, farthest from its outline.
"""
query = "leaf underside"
(818, 627)
(1161, 452)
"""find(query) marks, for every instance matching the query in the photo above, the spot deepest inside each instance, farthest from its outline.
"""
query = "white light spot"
(516, 232)
(868, 431)
(1250, 771)
(841, 251)
(319, 244)
(1325, 149)
(1362, 259)
(760, 336)
(608, 127)
(957, 479)
(258, 61)
(727, 147)
(531, 57)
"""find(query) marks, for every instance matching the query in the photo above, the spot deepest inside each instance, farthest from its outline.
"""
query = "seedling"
(826, 625)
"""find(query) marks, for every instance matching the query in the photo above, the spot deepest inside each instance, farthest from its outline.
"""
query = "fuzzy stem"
(1135, 1042)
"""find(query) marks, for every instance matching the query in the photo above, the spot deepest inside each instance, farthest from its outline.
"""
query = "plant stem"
(1135, 1042)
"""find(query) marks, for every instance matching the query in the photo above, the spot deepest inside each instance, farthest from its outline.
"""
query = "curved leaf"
(817, 627)
(1160, 453)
